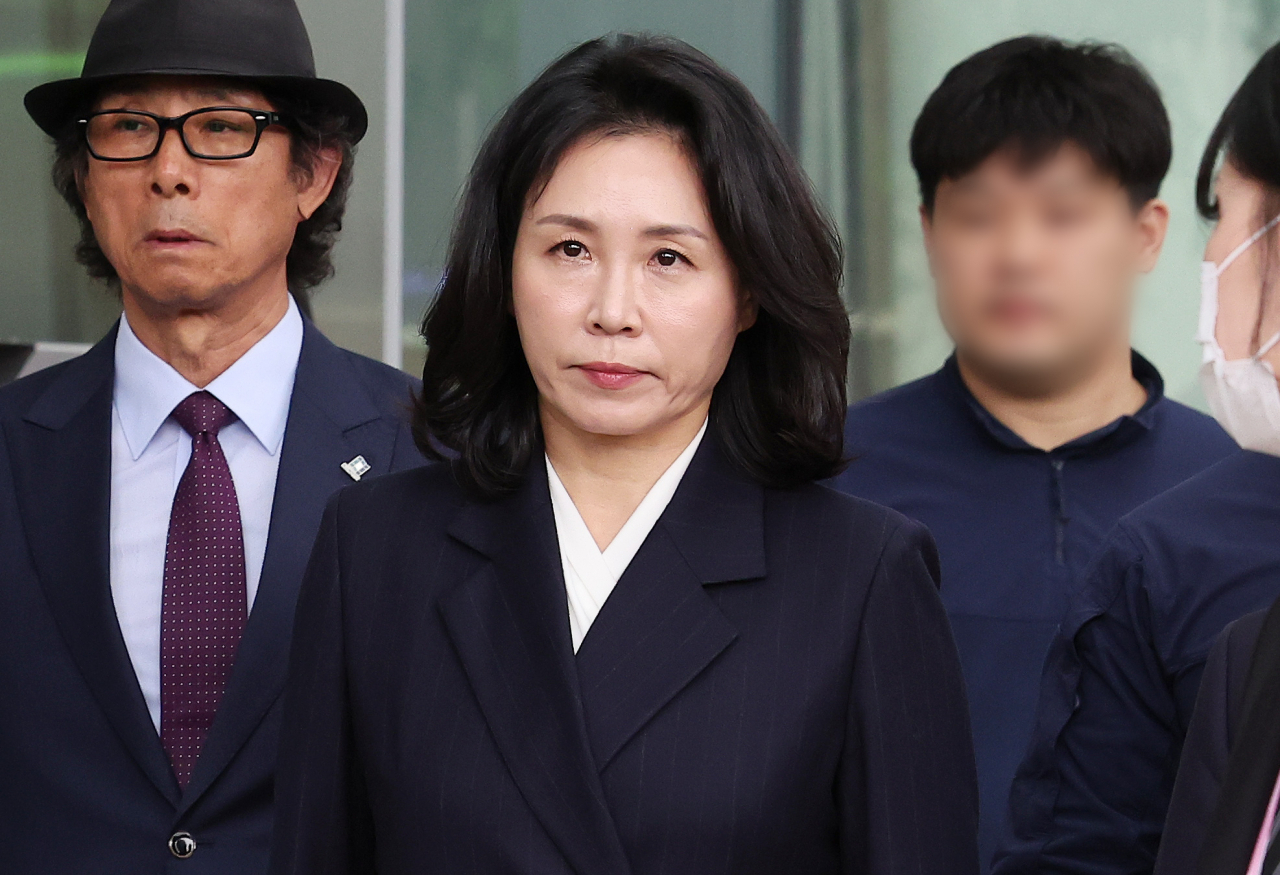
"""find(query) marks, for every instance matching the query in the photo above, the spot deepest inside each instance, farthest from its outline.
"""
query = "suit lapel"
(510, 625)
(660, 629)
(61, 455)
(1254, 762)
(332, 418)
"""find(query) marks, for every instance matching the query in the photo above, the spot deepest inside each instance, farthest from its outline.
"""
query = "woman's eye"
(668, 258)
(572, 248)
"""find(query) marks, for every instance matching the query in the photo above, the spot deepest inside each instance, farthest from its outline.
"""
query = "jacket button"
(182, 845)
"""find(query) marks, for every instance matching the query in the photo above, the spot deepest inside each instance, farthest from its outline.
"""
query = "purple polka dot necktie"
(205, 602)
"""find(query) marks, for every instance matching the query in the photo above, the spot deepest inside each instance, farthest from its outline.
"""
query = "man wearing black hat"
(159, 495)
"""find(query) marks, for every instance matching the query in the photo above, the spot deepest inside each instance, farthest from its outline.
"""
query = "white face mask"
(1243, 394)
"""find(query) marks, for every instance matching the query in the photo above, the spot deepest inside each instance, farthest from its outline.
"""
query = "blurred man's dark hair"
(1032, 95)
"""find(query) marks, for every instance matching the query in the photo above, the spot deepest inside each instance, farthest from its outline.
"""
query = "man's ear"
(926, 224)
(80, 174)
(926, 227)
(1153, 225)
(314, 186)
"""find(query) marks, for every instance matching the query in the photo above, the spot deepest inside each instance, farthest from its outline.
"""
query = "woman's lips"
(608, 375)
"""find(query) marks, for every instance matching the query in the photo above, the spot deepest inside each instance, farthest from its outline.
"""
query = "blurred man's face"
(1036, 266)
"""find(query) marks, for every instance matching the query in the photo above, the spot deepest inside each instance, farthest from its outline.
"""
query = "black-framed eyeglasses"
(215, 133)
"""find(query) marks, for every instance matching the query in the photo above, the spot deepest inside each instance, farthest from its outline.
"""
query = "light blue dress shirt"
(150, 451)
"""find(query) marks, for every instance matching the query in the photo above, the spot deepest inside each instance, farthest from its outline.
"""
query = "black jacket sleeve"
(323, 823)
(1208, 746)
(908, 787)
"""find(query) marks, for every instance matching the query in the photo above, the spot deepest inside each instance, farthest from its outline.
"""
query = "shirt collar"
(1142, 420)
(257, 387)
(624, 546)
(577, 542)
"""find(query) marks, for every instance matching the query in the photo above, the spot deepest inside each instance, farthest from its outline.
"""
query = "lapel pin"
(357, 467)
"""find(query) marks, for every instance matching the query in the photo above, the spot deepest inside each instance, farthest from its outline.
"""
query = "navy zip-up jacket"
(1016, 528)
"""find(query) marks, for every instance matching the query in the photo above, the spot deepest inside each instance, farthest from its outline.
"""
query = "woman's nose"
(615, 309)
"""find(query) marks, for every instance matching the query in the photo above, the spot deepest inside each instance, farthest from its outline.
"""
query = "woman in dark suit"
(620, 629)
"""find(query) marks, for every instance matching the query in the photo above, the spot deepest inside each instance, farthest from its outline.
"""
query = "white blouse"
(591, 574)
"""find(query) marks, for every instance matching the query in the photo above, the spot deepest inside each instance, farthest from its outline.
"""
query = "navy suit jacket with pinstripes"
(771, 688)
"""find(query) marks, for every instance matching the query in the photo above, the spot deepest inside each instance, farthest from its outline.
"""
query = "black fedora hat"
(263, 41)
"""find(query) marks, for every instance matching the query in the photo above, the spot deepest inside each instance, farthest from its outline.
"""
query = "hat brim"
(54, 105)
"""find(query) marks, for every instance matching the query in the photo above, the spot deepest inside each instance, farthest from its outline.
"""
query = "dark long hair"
(778, 410)
(1248, 136)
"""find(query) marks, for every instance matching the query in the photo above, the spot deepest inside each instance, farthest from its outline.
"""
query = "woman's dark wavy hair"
(778, 411)
(1248, 136)
(313, 127)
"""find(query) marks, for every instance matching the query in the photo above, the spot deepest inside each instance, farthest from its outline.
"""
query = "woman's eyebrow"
(580, 224)
(674, 231)
(576, 222)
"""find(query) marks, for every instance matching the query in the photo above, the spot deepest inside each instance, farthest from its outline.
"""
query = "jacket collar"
(61, 459)
(61, 456)
(1125, 427)
(661, 627)
(509, 622)
(332, 418)
(715, 519)
(557, 720)
(256, 387)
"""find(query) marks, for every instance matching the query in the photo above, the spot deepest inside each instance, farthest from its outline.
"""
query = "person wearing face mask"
(1223, 815)
(1242, 392)
(1093, 793)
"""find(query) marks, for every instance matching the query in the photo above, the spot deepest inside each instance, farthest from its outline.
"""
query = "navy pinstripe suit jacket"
(772, 687)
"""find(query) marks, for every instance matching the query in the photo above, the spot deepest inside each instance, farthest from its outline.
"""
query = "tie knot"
(201, 413)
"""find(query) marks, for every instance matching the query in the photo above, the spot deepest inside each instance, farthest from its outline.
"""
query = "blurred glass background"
(844, 80)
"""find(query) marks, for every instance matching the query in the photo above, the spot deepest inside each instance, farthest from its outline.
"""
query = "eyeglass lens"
(214, 133)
